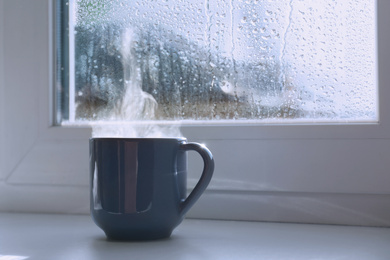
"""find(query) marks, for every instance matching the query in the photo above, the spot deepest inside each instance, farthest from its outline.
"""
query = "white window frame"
(322, 173)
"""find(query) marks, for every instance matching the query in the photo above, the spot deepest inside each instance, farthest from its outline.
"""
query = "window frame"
(2, 105)
(37, 174)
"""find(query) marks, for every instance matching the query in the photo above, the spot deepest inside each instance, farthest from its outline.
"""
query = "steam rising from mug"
(135, 106)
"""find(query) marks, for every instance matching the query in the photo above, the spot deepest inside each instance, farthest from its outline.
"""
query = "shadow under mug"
(138, 185)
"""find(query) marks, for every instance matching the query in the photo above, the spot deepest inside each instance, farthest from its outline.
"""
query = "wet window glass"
(195, 61)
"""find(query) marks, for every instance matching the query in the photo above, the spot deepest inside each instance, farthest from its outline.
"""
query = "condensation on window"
(190, 60)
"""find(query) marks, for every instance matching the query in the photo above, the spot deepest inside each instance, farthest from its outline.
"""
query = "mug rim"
(139, 138)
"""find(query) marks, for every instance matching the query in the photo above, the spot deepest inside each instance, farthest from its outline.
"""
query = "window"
(322, 172)
(206, 62)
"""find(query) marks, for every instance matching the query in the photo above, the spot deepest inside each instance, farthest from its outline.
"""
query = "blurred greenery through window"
(216, 60)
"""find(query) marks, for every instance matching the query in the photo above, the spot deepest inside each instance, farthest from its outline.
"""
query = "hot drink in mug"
(138, 185)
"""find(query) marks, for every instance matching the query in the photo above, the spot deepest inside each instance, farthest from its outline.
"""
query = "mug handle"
(204, 180)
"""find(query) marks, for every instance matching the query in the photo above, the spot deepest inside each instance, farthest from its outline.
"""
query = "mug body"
(137, 186)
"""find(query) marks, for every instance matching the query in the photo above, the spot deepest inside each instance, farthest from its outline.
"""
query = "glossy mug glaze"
(138, 185)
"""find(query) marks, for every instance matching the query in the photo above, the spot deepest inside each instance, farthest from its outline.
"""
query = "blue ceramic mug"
(138, 185)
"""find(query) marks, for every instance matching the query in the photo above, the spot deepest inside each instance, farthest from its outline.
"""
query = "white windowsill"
(39, 236)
